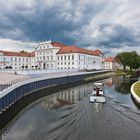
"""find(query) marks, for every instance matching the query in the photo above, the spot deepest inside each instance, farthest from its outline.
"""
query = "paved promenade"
(8, 77)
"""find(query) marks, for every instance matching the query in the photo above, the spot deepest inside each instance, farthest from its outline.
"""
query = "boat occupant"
(97, 91)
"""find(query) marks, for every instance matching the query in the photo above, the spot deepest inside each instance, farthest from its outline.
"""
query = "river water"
(68, 115)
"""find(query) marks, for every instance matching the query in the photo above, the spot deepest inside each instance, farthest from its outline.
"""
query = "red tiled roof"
(57, 44)
(109, 59)
(9, 53)
(32, 54)
(98, 51)
(75, 49)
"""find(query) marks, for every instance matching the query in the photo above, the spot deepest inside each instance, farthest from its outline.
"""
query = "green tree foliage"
(133, 62)
(130, 59)
(23, 51)
(122, 58)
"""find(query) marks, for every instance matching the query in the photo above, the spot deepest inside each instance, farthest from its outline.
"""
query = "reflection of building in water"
(109, 82)
(66, 97)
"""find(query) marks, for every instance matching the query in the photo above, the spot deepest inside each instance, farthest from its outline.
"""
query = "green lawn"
(137, 88)
(120, 72)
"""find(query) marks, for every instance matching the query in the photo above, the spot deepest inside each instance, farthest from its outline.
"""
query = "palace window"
(51, 57)
(44, 58)
(47, 57)
(72, 57)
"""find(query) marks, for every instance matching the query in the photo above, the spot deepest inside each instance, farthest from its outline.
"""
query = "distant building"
(54, 55)
(16, 60)
(111, 63)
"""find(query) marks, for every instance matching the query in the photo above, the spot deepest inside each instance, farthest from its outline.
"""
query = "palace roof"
(109, 59)
(75, 49)
(57, 44)
(20, 54)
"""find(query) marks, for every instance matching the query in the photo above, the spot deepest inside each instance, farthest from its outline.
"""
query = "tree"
(136, 64)
(36, 67)
(122, 58)
(133, 62)
(22, 66)
(23, 51)
(26, 67)
(130, 59)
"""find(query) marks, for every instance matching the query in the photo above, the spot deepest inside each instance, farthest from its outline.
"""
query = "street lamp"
(68, 75)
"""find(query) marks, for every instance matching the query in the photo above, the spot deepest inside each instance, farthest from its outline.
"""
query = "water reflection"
(68, 115)
(122, 84)
(98, 107)
(109, 82)
(66, 97)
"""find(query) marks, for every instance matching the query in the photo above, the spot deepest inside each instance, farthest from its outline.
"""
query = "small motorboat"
(97, 95)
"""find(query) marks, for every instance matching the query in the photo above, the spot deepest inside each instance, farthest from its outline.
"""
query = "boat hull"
(97, 99)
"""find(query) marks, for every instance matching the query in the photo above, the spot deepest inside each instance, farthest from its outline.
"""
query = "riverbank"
(135, 91)
(127, 72)
(137, 88)
(70, 108)
(21, 95)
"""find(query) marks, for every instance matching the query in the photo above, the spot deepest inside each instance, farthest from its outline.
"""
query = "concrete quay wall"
(18, 96)
(134, 95)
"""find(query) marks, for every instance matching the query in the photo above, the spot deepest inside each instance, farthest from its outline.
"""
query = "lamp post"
(68, 75)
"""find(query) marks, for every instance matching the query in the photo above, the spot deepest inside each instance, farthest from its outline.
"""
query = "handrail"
(46, 76)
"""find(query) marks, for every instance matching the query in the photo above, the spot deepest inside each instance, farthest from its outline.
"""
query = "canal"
(68, 115)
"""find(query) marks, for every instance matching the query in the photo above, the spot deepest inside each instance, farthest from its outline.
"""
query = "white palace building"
(52, 56)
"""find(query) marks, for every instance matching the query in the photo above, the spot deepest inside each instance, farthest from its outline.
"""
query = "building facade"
(17, 60)
(52, 56)
(111, 63)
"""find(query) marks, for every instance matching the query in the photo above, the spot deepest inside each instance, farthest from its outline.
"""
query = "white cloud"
(14, 45)
(86, 16)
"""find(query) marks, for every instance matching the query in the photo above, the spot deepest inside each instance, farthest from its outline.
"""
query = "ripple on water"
(68, 115)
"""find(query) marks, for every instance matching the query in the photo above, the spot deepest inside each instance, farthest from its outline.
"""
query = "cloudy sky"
(110, 25)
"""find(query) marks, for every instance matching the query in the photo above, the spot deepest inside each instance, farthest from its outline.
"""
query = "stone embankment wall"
(17, 97)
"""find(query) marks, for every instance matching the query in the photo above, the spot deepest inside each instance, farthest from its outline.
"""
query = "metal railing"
(29, 76)
(44, 75)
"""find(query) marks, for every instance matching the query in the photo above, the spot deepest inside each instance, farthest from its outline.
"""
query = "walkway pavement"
(8, 77)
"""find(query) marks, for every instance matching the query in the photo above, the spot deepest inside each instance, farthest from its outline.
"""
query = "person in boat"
(97, 91)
